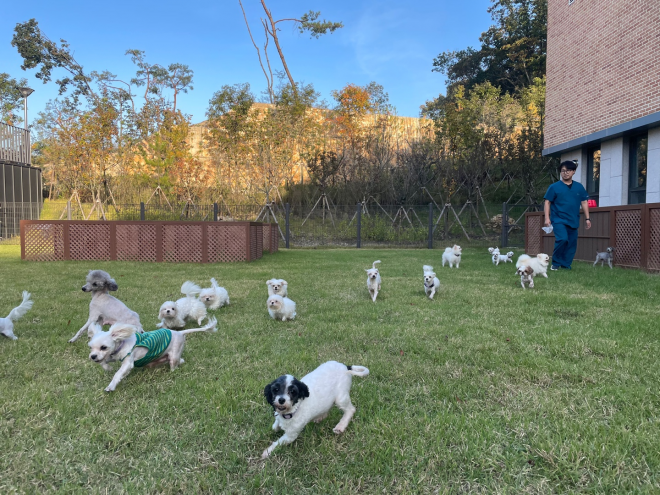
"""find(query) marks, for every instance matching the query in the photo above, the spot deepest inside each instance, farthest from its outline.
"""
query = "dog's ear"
(112, 285)
(94, 328)
(303, 391)
(268, 393)
(285, 283)
(268, 282)
(121, 331)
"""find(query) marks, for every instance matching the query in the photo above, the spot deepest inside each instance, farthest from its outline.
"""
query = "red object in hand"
(591, 203)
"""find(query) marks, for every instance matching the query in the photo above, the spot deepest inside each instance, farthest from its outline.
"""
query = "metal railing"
(14, 144)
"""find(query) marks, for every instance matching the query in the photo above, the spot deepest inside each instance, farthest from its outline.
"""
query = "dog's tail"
(358, 370)
(211, 325)
(190, 289)
(23, 308)
(214, 283)
(427, 268)
(374, 265)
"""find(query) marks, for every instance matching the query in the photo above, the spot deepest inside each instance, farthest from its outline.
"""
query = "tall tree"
(10, 99)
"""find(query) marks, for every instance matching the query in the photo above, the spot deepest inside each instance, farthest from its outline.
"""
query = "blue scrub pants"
(565, 245)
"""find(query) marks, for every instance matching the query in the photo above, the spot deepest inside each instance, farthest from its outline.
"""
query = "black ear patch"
(302, 390)
(112, 285)
(268, 393)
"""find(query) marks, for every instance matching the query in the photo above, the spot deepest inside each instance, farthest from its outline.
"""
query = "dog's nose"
(93, 356)
(281, 400)
(83, 289)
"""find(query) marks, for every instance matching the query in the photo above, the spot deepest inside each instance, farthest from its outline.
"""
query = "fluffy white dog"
(277, 286)
(7, 324)
(149, 349)
(539, 264)
(214, 297)
(431, 282)
(494, 250)
(174, 314)
(452, 255)
(297, 402)
(373, 280)
(105, 306)
(281, 308)
(502, 258)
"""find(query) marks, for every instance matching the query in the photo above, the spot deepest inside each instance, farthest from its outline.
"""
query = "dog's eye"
(94, 284)
(104, 347)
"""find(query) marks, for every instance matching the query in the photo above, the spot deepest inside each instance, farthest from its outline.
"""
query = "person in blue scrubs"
(562, 211)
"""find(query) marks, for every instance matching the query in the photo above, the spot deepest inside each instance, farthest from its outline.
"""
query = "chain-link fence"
(325, 224)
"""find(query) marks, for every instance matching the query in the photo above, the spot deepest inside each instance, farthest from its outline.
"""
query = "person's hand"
(547, 222)
(587, 225)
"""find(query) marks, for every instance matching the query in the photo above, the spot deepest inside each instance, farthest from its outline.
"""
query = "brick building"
(603, 96)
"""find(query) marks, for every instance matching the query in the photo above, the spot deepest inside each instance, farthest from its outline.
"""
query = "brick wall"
(603, 65)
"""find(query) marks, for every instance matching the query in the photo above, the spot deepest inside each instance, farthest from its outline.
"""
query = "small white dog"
(452, 255)
(494, 250)
(539, 264)
(503, 258)
(297, 402)
(214, 297)
(373, 280)
(277, 286)
(104, 305)
(149, 349)
(174, 314)
(606, 256)
(431, 282)
(281, 308)
(526, 273)
(7, 324)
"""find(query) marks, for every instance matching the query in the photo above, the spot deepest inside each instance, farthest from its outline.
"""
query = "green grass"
(487, 389)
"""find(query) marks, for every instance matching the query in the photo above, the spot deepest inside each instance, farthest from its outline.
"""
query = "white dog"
(452, 255)
(526, 273)
(174, 314)
(149, 349)
(214, 297)
(277, 286)
(494, 250)
(281, 308)
(497, 258)
(297, 402)
(7, 324)
(431, 282)
(539, 264)
(111, 309)
(373, 281)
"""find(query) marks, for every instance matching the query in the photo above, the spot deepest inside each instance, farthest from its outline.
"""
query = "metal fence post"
(215, 212)
(430, 225)
(287, 208)
(359, 225)
(142, 215)
(505, 225)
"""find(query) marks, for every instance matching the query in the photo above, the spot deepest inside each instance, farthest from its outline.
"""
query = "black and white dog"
(297, 402)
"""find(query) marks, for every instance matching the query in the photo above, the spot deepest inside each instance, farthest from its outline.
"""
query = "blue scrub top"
(565, 203)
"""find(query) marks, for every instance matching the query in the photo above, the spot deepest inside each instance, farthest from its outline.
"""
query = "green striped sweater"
(156, 342)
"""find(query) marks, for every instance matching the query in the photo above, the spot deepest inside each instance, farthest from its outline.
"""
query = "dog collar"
(118, 348)
(287, 416)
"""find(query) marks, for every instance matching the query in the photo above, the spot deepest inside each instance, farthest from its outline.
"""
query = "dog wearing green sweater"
(122, 343)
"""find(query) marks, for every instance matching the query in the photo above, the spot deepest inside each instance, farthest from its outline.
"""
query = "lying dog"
(431, 282)
(452, 255)
(497, 258)
(7, 324)
(526, 273)
(607, 256)
(539, 264)
(277, 286)
(281, 308)
(214, 297)
(174, 314)
(373, 280)
(121, 343)
(297, 402)
(105, 306)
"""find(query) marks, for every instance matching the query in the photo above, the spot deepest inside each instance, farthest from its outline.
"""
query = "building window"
(593, 173)
(639, 146)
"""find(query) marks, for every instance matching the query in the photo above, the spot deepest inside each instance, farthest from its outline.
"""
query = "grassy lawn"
(488, 388)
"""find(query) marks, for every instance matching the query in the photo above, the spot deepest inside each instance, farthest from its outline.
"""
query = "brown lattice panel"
(89, 241)
(534, 234)
(628, 238)
(136, 242)
(44, 242)
(274, 238)
(226, 242)
(256, 248)
(653, 256)
(182, 243)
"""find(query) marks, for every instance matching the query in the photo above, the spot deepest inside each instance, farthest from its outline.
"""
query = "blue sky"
(384, 41)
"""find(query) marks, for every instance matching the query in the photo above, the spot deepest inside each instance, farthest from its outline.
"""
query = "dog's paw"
(110, 389)
(265, 454)
(338, 430)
